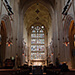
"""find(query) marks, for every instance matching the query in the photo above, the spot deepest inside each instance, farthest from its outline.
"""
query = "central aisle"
(37, 70)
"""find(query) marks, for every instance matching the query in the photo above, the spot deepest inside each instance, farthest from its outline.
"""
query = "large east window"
(37, 42)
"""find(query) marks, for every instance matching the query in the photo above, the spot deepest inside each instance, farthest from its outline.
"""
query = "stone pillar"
(60, 31)
(15, 49)
(20, 35)
(0, 12)
(15, 23)
(74, 9)
(66, 49)
(54, 39)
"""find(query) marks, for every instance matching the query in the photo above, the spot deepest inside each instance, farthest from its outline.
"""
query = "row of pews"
(59, 70)
(21, 70)
(27, 70)
(14, 71)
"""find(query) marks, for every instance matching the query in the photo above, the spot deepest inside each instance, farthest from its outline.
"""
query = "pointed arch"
(6, 20)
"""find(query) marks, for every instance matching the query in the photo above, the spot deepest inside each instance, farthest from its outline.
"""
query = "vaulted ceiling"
(51, 2)
(36, 14)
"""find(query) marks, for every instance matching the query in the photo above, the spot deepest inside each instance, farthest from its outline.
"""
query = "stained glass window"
(40, 35)
(33, 31)
(33, 47)
(37, 42)
(32, 27)
(37, 48)
(37, 56)
(33, 35)
(33, 41)
(42, 26)
(40, 41)
(40, 48)
(41, 30)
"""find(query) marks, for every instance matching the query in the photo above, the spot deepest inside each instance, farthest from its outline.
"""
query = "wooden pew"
(9, 71)
(14, 71)
(58, 72)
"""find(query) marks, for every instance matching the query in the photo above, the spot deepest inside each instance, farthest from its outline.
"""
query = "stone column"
(60, 31)
(64, 47)
(15, 25)
(74, 9)
(0, 12)
(54, 39)
(20, 35)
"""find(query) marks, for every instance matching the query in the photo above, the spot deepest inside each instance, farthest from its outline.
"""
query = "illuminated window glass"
(33, 35)
(33, 47)
(33, 41)
(42, 26)
(40, 48)
(37, 42)
(37, 56)
(32, 27)
(40, 35)
(40, 41)
(33, 31)
(37, 28)
(41, 30)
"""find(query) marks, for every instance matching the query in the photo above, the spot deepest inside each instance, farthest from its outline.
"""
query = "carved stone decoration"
(37, 11)
(37, 18)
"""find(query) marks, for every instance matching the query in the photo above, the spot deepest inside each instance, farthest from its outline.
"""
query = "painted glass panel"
(32, 27)
(33, 41)
(33, 31)
(33, 35)
(33, 47)
(42, 27)
(37, 28)
(37, 42)
(40, 41)
(37, 55)
(40, 35)
(40, 48)
(41, 30)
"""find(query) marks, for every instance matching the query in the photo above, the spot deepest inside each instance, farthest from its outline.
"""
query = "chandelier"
(0, 39)
(66, 42)
(49, 56)
(25, 55)
(9, 42)
(52, 53)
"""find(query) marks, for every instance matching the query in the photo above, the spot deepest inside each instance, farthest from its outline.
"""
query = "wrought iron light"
(9, 42)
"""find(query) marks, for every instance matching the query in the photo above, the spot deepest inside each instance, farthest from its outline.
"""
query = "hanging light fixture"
(66, 42)
(49, 55)
(16, 55)
(52, 53)
(25, 55)
(0, 39)
(9, 42)
(23, 52)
